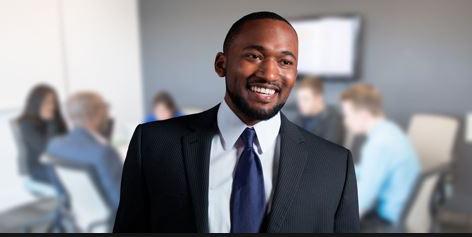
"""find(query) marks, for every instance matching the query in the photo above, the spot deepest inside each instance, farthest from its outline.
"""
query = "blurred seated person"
(163, 107)
(40, 121)
(388, 166)
(86, 146)
(315, 115)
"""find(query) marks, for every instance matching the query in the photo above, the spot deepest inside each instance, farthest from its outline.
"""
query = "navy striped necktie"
(248, 195)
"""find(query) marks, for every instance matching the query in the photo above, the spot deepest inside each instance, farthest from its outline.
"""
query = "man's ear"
(220, 64)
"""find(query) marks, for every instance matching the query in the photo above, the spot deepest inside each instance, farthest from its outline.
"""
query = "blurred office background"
(418, 53)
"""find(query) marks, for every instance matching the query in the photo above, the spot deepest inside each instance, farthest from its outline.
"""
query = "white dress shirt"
(226, 148)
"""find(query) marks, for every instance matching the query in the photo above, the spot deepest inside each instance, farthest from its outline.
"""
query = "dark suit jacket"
(165, 180)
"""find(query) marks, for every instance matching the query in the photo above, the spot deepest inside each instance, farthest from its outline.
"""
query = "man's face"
(260, 67)
(307, 101)
(102, 115)
(354, 119)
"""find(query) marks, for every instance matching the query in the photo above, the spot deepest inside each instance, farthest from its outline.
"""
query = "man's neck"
(91, 129)
(372, 123)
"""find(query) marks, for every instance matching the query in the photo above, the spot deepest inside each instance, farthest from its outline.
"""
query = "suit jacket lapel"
(196, 150)
(293, 157)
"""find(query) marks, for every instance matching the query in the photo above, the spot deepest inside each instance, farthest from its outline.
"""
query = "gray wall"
(418, 52)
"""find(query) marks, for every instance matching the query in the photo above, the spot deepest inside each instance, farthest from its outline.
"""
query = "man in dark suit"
(240, 166)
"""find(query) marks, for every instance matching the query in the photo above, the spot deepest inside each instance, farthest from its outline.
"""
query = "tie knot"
(248, 137)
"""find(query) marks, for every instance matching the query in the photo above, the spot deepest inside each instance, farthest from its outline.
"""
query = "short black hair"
(237, 26)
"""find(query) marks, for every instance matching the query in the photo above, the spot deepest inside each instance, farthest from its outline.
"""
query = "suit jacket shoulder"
(313, 169)
(314, 143)
(158, 136)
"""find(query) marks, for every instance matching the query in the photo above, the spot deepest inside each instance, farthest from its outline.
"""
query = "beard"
(245, 108)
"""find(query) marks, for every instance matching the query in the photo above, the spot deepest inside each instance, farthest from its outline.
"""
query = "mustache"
(261, 82)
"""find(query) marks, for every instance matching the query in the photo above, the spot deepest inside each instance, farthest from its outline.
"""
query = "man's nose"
(269, 70)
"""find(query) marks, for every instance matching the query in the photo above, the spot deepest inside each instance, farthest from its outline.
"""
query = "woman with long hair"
(40, 121)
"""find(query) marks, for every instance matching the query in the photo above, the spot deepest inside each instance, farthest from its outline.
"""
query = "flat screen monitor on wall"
(328, 46)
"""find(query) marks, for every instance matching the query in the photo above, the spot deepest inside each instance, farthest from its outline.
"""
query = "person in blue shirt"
(163, 107)
(86, 148)
(388, 167)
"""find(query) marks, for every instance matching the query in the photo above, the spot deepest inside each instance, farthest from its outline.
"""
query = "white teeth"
(262, 90)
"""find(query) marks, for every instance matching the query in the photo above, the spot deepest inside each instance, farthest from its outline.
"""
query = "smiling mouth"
(263, 90)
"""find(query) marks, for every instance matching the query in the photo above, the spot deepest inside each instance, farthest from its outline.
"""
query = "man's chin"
(252, 111)
(263, 109)
(262, 113)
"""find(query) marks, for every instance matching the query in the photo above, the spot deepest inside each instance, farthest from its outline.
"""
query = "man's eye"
(286, 62)
(253, 56)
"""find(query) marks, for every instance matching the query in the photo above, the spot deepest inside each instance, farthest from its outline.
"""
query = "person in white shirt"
(241, 166)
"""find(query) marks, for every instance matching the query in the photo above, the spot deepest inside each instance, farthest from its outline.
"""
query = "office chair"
(45, 208)
(88, 206)
(433, 137)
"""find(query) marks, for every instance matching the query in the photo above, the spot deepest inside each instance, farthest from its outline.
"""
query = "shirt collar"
(231, 127)
(95, 135)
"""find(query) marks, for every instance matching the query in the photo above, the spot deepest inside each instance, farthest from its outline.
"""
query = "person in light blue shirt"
(389, 167)
(86, 149)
